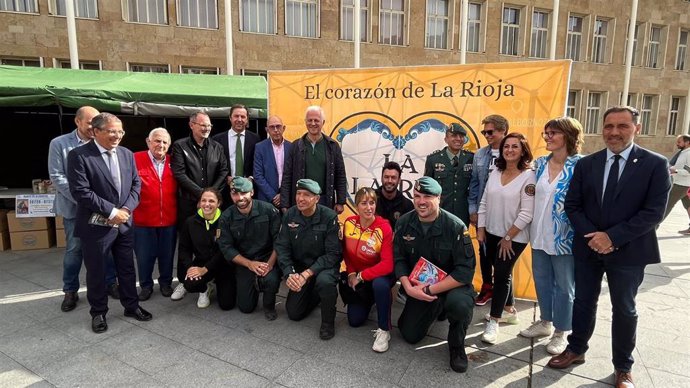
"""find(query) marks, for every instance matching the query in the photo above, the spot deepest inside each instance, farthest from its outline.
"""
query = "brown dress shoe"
(624, 380)
(566, 359)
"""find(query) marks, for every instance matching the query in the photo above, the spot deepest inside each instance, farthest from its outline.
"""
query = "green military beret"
(309, 185)
(427, 185)
(241, 185)
(456, 128)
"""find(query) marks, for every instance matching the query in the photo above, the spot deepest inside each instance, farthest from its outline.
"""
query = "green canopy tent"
(148, 94)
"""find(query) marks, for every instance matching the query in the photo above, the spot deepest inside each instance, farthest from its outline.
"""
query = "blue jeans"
(73, 259)
(151, 243)
(379, 292)
(554, 279)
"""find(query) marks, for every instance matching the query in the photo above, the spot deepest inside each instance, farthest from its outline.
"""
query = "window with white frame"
(654, 54)
(146, 11)
(631, 100)
(197, 13)
(87, 9)
(540, 34)
(573, 45)
(30, 62)
(258, 16)
(510, 31)
(148, 68)
(474, 28)
(260, 73)
(599, 39)
(83, 65)
(594, 102)
(392, 22)
(682, 52)
(199, 70)
(648, 114)
(347, 20)
(673, 115)
(29, 6)
(572, 108)
(437, 24)
(302, 18)
(636, 47)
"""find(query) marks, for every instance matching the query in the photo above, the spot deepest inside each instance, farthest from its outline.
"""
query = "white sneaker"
(557, 344)
(381, 340)
(510, 318)
(491, 332)
(205, 297)
(179, 292)
(538, 329)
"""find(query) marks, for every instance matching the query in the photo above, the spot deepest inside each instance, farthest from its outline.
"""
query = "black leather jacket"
(187, 169)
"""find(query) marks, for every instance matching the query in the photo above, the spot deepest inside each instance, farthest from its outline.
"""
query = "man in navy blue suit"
(104, 182)
(616, 199)
(269, 158)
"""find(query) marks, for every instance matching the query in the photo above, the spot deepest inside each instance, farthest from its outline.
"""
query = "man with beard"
(681, 178)
(248, 229)
(390, 201)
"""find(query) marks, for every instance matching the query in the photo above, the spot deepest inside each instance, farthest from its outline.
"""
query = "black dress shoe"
(113, 291)
(70, 301)
(270, 315)
(139, 314)
(327, 331)
(98, 324)
(458, 359)
(166, 290)
(145, 293)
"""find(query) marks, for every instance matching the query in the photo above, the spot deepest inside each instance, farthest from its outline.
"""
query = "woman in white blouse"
(505, 213)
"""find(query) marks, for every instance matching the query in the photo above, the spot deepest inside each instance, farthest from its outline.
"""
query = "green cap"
(427, 185)
(456, 128)
(309, 185)
(241, 184)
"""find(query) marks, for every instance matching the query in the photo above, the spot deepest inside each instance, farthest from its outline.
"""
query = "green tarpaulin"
(151, 94)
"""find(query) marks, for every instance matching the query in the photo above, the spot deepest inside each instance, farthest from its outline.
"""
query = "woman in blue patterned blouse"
(551, 234)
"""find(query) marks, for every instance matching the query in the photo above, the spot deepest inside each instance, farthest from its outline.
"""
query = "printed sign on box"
(34, 205)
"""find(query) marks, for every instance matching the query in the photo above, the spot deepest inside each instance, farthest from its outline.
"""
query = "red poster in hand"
(426, 272)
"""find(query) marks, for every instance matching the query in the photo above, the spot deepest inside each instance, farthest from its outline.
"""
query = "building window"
(87, 9)
(29, 6)
(197, 13)
(347, 20)
(83, 65)
(474, 27)
(302, 18)
(510, 31)
(573, 46)
(594, 101)
(199, 70)
(636, 46)
(30, 62)
(146, 11)
(601, 27)
(572, 108)
(437, 24)
(540, 34)
(392, 22)
(258, 16)
(148, 68)
(682, 52)
(261, 73)
(647, 114)
(673, 114)
(654, 47)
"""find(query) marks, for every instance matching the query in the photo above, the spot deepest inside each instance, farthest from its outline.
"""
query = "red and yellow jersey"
(368, 250)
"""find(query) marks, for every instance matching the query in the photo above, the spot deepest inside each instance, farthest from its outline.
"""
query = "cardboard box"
(4, 240)
(59, 223)
(25, 224)
(3, 220)
(60, 241)
(34, 239)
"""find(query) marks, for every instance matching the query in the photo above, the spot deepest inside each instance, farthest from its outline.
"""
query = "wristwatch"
(359, 277)
(507, 238)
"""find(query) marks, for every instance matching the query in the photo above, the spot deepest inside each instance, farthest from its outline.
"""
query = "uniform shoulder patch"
(437, 152)
(293, 225)
(530, 189)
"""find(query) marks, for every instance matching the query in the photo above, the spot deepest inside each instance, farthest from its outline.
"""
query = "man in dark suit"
(269, 158)
(104, 182)
(616, 199)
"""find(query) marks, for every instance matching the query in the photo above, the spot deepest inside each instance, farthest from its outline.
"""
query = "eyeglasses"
(113, 132)
(276, 127)
(488, 132)
(209, 126)
(549, 134)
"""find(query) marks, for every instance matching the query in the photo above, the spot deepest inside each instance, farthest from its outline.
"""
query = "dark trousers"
(503, 273)
(95, 251)
(321, 288)
(226, 289)
(151, 244)
(359, 302)
(623, 282)
(487, 269)
(417, 316)
(249, 286)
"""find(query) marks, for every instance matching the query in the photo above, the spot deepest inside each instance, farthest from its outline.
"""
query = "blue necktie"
(114, 169)
(611, 183)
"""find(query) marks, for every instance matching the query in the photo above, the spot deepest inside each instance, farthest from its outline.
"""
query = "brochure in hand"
(100, 220)
(426, 272)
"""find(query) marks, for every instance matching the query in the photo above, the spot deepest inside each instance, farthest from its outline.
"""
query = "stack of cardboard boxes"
(59, 232)
(4, 231)
(30, 233)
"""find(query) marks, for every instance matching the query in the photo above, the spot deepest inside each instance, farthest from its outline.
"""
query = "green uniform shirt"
(308, 242)
(315, 162)
(445, 244)
(454, 180)
(250, 235)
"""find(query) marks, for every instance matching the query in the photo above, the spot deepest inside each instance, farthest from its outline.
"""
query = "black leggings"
(503, 273)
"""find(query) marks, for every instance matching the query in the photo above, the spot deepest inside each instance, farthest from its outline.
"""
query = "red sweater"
(158, 199)
(370, 250)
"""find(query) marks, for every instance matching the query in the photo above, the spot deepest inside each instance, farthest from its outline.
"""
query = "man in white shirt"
(680, 171)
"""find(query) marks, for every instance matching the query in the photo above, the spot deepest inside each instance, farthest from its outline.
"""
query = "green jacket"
(454, 181)
(251, 236)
